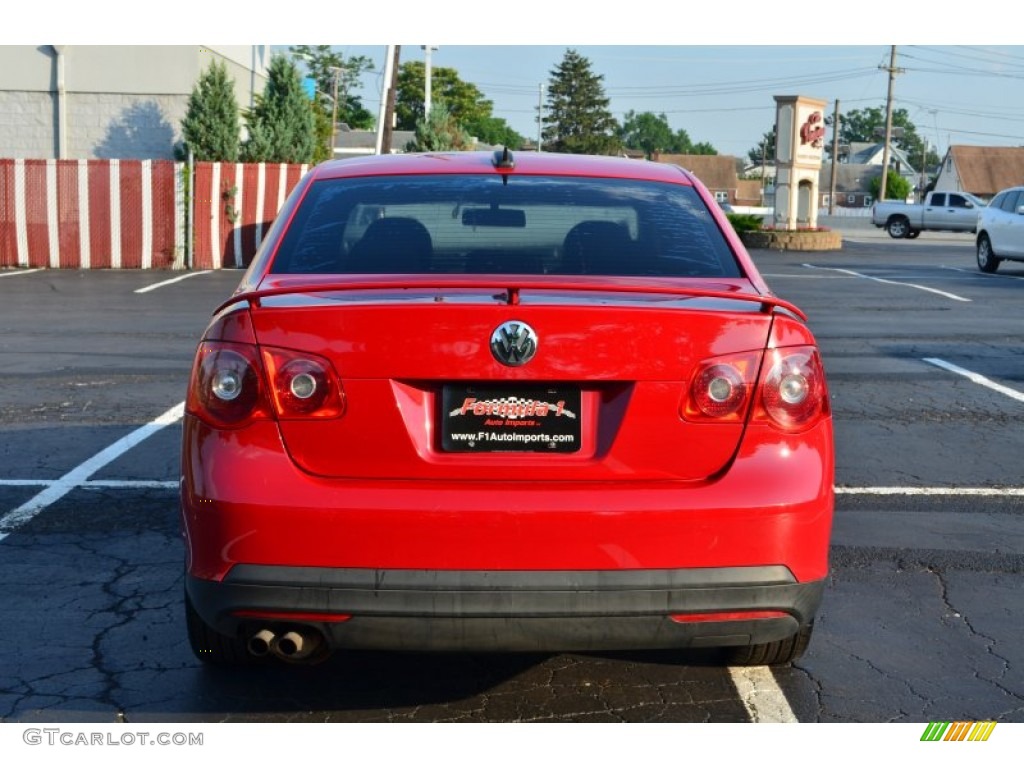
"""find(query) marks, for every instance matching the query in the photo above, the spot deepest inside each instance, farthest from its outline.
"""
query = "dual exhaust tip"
(293, 645)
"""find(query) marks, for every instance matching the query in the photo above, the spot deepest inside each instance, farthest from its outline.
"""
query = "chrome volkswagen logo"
(513, 343)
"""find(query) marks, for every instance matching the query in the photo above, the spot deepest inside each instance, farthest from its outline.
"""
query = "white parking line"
(977, 378)
(984, 275)
(115, 484)
(760, 693)
(57, 489)
(852, 273)
(177, 279)
(930, 491)
(21, 272)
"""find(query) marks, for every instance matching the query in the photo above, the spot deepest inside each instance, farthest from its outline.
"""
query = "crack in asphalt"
(989, 642)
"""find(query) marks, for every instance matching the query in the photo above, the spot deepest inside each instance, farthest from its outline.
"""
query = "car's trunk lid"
(600, 399)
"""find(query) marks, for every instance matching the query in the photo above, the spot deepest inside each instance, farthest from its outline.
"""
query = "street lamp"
(427, 50)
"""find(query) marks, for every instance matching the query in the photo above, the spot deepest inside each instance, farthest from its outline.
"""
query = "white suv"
(1001, 230)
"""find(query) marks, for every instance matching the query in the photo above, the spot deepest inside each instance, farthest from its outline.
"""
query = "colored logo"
(959, 731)
(813, 131)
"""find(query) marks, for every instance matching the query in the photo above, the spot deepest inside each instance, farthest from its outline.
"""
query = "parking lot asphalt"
(921, 618)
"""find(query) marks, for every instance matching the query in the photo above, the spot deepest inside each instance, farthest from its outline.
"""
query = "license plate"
(530, 418)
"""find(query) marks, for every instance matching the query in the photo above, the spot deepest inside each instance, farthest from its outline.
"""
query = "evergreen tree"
(577, 118)
(323, 149)
(281, 125)
(210, 125)
(438, 132)
(765, 151)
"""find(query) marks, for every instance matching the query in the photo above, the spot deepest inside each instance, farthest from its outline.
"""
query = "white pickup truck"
(946, 211)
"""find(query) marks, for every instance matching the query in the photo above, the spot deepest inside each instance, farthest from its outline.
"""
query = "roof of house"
(987, 170)
(870, 153)
(364, 142)
(349, 142)
(851, 179)
(714, 171)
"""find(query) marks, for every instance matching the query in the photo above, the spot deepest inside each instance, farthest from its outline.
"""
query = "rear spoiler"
(511, 288)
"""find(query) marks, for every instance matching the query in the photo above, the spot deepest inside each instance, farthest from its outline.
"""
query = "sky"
(712, 68)
(724, 94)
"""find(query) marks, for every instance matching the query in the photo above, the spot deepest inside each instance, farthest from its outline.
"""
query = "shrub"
(745, 222)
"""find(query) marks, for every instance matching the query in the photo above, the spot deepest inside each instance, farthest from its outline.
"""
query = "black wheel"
(897, 227)
(778, 652)
(913, 233)
(210, 646)
(987, 259)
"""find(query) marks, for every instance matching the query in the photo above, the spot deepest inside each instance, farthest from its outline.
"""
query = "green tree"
(577, 119)
(652, 133)
(868, 125)
(682, 143)
(281, 125)
(648, 132)
(324, 64)
(464, 101)
(703, 148)
(896, 186)
(765, 147)
(495, 131)
(210, 126)
(438, 132)
(323, 130)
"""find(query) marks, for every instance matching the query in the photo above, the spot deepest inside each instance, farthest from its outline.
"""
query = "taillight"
(303, 385)
(226, 390)
(721, 389)
(793, 391)
(228, 387)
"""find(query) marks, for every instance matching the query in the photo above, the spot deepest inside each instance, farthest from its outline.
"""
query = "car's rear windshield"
(533, 225)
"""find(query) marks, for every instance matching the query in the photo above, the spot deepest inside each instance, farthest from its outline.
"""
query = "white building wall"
(119, 101)
(26, 124)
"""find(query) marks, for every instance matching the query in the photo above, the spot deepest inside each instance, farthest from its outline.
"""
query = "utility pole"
(764, 166)
(835, 159)
(924, 172)
(893, 71)
(427, 50)
(336, 72)
(387, 102)
(540, 114)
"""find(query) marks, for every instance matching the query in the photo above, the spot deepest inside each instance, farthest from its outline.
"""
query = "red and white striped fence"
(120, 214)
(235, 204)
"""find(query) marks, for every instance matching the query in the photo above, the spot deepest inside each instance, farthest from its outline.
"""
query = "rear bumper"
(249, 505)
(512, 610)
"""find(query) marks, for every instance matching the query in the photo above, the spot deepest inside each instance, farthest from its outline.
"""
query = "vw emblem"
(513, 343)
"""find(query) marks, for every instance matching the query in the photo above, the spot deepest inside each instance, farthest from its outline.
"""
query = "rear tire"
(987, 259)
(778, 652)
(210, 646)
(897, 227)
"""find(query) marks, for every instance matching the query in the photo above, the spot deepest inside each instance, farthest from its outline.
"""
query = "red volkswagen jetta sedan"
(473, 401)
